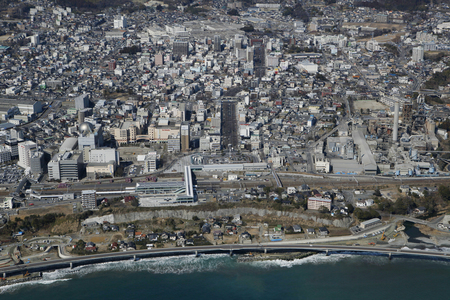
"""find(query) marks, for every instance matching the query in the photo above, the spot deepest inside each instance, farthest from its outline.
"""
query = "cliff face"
(187, 215)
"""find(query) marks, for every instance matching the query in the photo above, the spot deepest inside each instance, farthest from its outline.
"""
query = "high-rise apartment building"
(217, 43)
(417, 54)
(25, 153)
(185, 136)
(89, 199)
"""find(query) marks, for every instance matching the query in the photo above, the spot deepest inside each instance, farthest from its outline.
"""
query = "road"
(229, 125)
(233, 248)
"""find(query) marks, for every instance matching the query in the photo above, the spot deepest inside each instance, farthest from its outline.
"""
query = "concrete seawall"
(222, 249)
(187, 215)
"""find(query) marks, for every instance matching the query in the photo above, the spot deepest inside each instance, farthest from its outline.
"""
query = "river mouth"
(415, 235)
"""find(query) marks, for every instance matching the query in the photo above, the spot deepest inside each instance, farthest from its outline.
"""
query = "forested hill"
(401, 5)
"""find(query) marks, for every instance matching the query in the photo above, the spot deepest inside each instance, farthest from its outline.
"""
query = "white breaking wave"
(16, 286)
(313, 259)
(160, 265)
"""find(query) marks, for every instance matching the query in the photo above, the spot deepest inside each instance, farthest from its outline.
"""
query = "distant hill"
(91, 4)
(401, 5)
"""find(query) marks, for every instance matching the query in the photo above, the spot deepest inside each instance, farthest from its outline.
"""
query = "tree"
(323, 210)
(279, 191)
(248, 28)
(444, 192)
(377, 193)
(233, 12)
(80, 244)
(350, 208)
(135, 202)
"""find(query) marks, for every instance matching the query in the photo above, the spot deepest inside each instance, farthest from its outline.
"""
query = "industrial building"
(366, 156)
(370, 223)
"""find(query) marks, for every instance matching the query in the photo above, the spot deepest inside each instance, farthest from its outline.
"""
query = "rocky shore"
(20, 279)
(274, 256)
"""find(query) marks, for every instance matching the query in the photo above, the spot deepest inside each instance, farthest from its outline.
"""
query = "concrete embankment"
(95, 259)
(20, 279)
(188, 214)
(275, 256)
(222, 249)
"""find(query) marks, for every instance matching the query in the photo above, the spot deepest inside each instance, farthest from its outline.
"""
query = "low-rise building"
(317, 202)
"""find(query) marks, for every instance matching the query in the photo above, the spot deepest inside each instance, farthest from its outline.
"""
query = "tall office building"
(173, 144)
(17, 134)
(180, 48)
(112, 65)
(217, 44)
(25, 153)
(159, 59)
(89, 199)
(407, 114)
(185, 136)
(90, 136)
(417, 54)
(66, 166)
(82, 101)
(13, 146)
(5, 154)
(37, 163)
(120, 22)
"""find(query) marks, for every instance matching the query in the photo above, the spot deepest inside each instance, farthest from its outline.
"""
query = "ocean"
(338, 276)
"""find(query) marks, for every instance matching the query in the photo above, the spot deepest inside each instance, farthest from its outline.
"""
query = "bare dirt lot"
(383, 38)
(381, 26)
(368, 104)
(58, 209)
(4, 37)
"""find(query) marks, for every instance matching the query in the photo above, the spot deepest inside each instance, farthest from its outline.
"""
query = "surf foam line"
(15, 286)
(182, 264)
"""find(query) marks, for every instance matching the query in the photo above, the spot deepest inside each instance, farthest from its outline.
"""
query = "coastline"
(20, 279)
(275, 256)
(72, 262)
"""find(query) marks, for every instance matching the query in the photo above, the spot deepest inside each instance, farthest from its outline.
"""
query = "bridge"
(432, 224)
(277, 179)
(142, 137)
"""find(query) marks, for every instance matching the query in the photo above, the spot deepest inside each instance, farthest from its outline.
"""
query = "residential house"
(218, 235)
(323, 231)
(206, 228)
(153, 237)
(297, 228)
